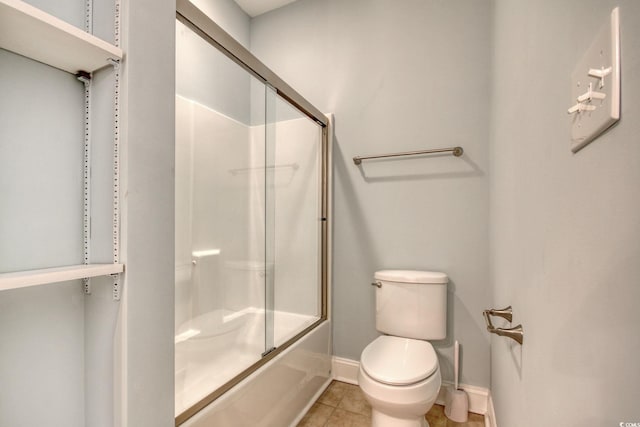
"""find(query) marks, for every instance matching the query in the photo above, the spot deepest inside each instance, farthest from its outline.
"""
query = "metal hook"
(516, 333)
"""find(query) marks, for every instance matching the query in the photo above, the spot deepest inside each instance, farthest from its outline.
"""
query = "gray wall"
(399, 76)
(146, 327)
(205, 75)
(565, 229)
(228, 15)
(57, 343)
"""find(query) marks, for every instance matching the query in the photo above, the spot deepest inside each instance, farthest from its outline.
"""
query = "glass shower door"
(249, 223)
(294, 223)
(221, 199)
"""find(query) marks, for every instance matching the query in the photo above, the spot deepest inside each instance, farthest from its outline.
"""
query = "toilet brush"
(457, 406)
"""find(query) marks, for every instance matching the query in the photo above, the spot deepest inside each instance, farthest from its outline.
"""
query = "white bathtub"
(276, 394)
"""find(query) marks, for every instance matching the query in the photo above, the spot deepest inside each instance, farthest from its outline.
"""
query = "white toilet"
(399, 372)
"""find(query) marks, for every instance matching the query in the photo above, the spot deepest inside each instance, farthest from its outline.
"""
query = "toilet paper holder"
(516, 333)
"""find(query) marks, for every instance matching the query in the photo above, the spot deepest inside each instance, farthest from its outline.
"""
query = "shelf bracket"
(114, 62)
(83, 76)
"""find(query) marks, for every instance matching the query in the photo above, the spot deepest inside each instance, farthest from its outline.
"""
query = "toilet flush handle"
(376, 283)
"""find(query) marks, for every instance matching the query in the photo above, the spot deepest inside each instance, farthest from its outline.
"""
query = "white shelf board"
(23, 279)
(30, 32)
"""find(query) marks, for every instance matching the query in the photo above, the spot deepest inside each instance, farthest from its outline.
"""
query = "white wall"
(399, 76)
(564, 227)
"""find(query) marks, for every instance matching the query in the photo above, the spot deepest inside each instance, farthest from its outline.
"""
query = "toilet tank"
(412, 304)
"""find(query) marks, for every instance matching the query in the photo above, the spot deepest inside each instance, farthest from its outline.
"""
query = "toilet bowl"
(402, 392)
(399, 372)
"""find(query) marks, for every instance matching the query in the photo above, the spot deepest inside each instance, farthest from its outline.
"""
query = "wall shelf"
(62, 197)
(23, 279)
(30, 32)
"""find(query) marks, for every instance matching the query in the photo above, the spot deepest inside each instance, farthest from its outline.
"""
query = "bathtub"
(277, 394)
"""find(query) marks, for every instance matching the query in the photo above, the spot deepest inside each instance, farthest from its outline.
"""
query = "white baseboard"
(490, 416)
(346, 370)
(478, 396)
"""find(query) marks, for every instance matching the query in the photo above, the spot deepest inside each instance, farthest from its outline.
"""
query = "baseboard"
(490, 416)
(346, 370)
(478, 396)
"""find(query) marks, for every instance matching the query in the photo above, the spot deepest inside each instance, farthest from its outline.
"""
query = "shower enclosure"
(251, 214)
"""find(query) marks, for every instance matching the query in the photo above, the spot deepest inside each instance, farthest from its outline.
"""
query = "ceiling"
(254, 8)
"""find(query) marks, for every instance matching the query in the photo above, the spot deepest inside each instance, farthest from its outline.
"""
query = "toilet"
(399, 371)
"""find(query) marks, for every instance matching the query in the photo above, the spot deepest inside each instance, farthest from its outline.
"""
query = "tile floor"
(344, 405)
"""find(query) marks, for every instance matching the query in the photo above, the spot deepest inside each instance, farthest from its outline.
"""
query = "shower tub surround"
(280, 392)
(212, 349)
(234, 303)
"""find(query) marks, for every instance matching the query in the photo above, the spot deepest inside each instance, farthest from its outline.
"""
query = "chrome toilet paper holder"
(516, 333)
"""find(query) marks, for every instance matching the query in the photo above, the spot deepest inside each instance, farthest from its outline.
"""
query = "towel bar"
(456, 151)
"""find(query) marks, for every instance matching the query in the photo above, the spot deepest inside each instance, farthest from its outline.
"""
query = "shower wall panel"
(222, 308)
(218, 216)
(208, 187)
(297, 216)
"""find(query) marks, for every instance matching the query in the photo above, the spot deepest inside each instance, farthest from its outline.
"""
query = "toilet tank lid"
(411, 276)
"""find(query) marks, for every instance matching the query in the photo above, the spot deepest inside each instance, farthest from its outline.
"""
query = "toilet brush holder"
(457, 406)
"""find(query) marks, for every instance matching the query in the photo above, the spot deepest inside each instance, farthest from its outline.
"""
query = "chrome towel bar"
(456, 151)
(516, 333)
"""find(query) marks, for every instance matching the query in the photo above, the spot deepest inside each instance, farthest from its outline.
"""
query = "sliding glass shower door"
(248, 222)
(293, 153)
(221, 269)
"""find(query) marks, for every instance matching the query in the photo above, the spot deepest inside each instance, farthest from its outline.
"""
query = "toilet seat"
(399, 361)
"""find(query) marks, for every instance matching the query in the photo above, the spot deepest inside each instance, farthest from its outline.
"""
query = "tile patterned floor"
(344, 405)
